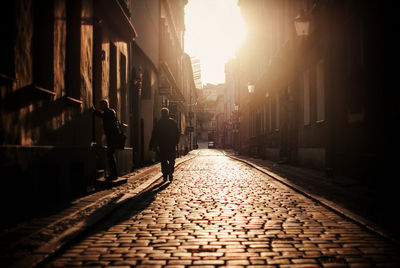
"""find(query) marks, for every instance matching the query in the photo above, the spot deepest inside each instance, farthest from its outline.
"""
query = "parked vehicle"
(211, 144)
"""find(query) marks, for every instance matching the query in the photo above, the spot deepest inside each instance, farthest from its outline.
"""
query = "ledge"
(6, 79)
(37, 92)
(73, 101)
(114, 14)
(26, 95)
(43, 91)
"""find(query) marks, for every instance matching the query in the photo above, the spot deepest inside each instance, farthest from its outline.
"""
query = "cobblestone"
(220, 212)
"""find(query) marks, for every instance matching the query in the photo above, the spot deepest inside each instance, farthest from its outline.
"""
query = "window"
(123, 91)
(264, 119)
(258, 123)
(73, 49)
(320, 92)
(270, 115)
(355, 70)
(112, 94)
(306, 96)
(146, 86)
(277, 112)
(7, 17)
(43, 44)
(254, 123)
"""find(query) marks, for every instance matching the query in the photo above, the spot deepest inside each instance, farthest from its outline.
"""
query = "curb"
(61, 241)
(362, 222)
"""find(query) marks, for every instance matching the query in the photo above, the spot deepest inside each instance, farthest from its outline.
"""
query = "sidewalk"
(352, 198)
(30, 242)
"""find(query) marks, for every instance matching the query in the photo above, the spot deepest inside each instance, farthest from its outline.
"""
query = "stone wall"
(47, 129)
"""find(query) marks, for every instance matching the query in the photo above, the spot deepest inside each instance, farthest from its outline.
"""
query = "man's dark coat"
(110, 122)
(165, 135)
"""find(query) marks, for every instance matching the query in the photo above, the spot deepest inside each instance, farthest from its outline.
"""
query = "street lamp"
(251, 87)
(302, 24)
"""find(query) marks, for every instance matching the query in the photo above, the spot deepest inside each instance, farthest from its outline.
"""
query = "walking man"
(110, 122)
(164, 139)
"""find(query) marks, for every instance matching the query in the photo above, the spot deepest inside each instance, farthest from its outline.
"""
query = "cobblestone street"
(221, 212)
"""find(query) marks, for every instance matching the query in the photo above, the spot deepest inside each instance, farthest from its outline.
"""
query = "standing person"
(165, 138)
(110, 122)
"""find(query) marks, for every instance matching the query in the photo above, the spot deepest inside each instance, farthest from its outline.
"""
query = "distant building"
(213, 109)
(190, 94)
(196, 66)
(232, 105)
(160, 68)
(171, 75)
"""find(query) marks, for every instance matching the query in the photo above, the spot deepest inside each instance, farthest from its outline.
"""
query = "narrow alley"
(184, 133)
(221, 212)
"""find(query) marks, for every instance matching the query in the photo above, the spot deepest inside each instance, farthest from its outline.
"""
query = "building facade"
(212, 114)
(232, 105)
(144, 69)
(196, 66)
(160, 73)
(189, 138)
(60, 58)
(316, 100)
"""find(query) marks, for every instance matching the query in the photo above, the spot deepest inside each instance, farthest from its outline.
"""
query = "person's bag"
(121, 141)
(121, 137)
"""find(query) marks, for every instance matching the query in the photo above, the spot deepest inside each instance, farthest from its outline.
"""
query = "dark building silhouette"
(325, 100)
(58, 58)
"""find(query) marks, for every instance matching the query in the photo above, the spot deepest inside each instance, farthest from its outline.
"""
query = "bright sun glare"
(214, 31)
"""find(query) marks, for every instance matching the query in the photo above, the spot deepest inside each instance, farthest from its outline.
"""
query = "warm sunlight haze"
(214, 31)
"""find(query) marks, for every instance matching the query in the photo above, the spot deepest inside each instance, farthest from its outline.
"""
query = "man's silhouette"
(164, 139)
(110, 123)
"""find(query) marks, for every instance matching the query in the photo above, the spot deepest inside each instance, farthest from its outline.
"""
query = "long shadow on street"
(126, 210)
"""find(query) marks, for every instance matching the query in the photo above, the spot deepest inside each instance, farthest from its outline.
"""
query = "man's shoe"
(171, 177)
(111, 178)
(165, 177)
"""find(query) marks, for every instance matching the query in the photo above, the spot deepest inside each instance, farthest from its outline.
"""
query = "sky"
(214, 31)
